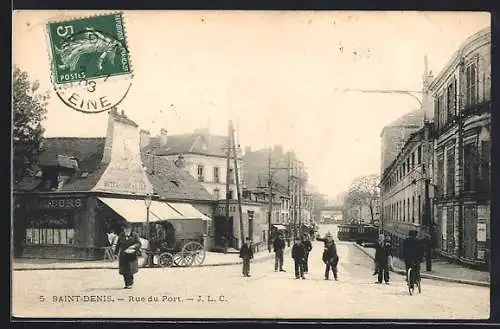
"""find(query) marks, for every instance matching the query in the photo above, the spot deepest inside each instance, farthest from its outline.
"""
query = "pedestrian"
(412, 252)
(279, 247)
(330, 256)
(298, 255)
(383, 255)
(308, 247)
(246, 253)
(380, 240)
(128, 249)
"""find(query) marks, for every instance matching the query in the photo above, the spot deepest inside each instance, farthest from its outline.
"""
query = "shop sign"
(55, 204)
(481, 232)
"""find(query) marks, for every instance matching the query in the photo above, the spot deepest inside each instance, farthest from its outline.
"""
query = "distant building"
(202, 154)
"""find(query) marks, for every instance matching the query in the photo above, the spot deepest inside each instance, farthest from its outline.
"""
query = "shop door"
(470, 231)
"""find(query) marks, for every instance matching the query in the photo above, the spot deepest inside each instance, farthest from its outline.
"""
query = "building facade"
(462, 151)
(89, 187)
(202, 154)
(405, 189)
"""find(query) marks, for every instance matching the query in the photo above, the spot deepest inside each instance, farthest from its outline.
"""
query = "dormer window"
(38, 174)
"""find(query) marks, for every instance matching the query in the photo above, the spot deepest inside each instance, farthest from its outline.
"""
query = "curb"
(267, 257)
(430, 276)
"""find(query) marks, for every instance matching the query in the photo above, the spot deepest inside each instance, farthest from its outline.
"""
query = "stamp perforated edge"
(73, 84)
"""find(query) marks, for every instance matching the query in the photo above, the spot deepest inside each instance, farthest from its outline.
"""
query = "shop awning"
(162, 211)
(280, 227)
(187, 210)
(133, 211)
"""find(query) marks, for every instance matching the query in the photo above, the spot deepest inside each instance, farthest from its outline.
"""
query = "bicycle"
(412, 278)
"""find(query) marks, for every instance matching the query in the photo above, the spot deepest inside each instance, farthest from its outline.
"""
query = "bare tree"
(363, 191)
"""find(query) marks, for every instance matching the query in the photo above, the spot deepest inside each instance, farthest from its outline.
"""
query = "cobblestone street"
(221, 292)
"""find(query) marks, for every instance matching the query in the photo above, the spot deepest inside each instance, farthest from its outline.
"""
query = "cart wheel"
(195, 251)
(181, 260)
(166, 259)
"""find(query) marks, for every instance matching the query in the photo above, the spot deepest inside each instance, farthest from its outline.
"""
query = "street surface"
(211, 292)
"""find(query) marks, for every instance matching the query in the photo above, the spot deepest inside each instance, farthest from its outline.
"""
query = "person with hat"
(246, 253)
(298, 255)
(308, 247)
(383, 254)
(330, 256)
(412, 252)
(279, 247)
(128, 248)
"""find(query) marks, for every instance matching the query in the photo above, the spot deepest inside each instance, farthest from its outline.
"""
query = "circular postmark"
(91, 70)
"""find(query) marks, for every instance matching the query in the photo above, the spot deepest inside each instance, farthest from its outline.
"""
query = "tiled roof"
(88, 152)
(198, 142)
(171, 182)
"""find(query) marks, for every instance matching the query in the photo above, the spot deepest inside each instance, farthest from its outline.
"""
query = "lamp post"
(147, 201)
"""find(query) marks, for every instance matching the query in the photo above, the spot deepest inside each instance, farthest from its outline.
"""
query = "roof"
(171, 182)
(87, 151)
(413, 118)
(199, 142)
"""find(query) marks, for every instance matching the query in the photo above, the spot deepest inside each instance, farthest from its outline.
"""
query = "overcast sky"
(255, 67)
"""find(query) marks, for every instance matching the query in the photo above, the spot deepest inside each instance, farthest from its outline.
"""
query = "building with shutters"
(462, 151)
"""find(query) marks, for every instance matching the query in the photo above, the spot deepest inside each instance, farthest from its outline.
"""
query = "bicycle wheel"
(409, 281)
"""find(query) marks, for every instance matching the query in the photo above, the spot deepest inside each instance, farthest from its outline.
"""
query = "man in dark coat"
(308, 246)
(246, 253)
(383, 250)
(330, 256)
(127, 247)
(279, 246)
(412, 252)
(298, 255)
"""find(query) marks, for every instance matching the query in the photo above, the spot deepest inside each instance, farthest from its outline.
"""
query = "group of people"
(412, 255)
(300, 255)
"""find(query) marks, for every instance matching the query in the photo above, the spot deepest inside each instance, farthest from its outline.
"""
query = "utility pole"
(228, 163)
(270, 190)
(240, 212)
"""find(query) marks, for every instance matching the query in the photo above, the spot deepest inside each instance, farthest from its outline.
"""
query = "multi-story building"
(203, 155)
(462, 120)
(405, 199)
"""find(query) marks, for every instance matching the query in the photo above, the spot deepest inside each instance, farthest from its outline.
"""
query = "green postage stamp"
(88, 48)
(90, 62)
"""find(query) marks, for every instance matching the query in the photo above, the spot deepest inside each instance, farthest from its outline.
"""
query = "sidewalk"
(211, 259)
(441, 270)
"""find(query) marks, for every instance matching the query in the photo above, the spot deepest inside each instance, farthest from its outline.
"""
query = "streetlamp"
(147, 201)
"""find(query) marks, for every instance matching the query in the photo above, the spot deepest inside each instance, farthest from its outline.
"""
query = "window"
(470, 85)
(201, 174)
(470, 166)
(484, 166)
(441, 111)
(217, 193)
(413, 160)
(54, 228)
(451, 101)
(440, 175)
(419, 218)
(408, 209)
(216, 175)
(450, 175)
(230, 194)
(404, 210)
(419, 154)
(413, 209)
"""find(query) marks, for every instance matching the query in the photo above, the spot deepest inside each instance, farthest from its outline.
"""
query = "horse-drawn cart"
(171, 245)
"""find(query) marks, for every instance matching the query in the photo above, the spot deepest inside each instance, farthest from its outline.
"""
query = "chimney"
(163, 137)
(144, 139)
(427, 103)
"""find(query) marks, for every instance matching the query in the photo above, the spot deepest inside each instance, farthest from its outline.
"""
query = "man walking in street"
(383, 252)
(279, 246)
(298, 254)
(412, 252)
(246, 253)
(127, 248)
(330, 256)
(308, 248)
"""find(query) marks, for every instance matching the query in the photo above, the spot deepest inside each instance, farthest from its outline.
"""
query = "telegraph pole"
(270, 190)
(228, 163)
(240, 212)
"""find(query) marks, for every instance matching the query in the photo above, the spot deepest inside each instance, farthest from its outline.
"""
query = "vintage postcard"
(251, 165)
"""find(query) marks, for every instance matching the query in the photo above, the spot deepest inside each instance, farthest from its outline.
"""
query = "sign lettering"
(55, 204)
